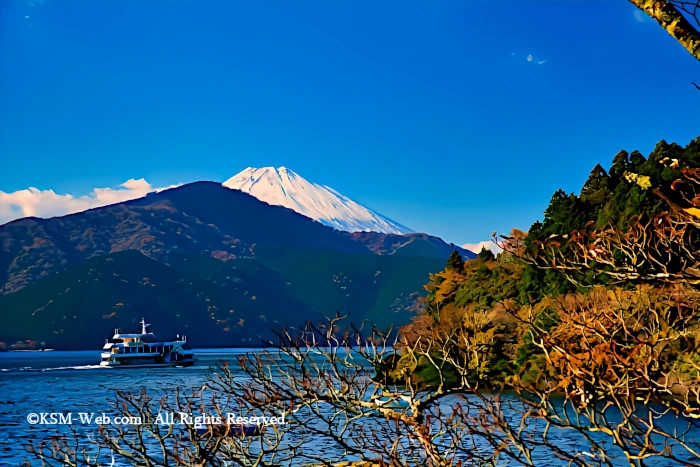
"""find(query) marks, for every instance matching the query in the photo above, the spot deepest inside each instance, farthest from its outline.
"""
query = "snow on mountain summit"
(282, 187)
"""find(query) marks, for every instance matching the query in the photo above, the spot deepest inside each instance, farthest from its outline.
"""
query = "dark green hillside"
(80, 307)
(214, 302)
(414, 244)
(381, 289)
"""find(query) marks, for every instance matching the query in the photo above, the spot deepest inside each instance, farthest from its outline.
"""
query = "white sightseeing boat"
(145, 350)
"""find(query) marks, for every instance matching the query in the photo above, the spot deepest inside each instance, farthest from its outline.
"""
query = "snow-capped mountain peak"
(283, 187)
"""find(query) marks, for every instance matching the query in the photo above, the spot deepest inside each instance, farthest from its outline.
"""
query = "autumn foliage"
(599, 304)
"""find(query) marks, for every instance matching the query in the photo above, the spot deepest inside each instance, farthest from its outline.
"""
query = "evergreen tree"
(486, 255)
(620, 165)
(455, 262)
(564, 214)
(654, 168)
(557, 204)
(536, 232)
(637, 161)
(691, 155)
(595, 191)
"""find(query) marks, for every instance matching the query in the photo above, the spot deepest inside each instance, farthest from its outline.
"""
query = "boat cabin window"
(115, 341)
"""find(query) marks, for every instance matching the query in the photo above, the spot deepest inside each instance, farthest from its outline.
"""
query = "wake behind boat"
(145, 350)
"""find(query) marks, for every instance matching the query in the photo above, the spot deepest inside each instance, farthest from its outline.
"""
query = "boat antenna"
(144, 326)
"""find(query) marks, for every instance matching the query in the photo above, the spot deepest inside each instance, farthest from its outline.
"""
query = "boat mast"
(144, 326)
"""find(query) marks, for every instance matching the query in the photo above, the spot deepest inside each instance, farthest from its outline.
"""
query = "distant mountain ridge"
(217, 261)
(282, 187)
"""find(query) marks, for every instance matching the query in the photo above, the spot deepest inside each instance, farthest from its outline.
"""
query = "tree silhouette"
(455, 261)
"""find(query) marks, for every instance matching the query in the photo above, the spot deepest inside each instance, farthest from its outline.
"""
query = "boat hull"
(147, 364)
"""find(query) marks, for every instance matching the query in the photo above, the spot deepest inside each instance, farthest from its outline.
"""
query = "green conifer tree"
(637, 161)
(455, 261)
(486, 255)
(620, 165)
(596, 189)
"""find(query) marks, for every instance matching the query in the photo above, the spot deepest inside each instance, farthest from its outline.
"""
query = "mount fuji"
(282, 187)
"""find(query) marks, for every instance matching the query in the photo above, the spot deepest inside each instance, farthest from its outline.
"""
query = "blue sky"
(426, 111)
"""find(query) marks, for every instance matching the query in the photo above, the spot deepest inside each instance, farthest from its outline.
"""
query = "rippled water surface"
(61, 382)
(64, 381)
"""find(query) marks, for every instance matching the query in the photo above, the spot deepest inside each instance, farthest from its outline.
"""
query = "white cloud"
(639, 15)
(529, 58)
(47, 203)
(477, 247)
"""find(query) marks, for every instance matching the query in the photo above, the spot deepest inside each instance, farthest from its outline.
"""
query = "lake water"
(70, 381)
(63, 381)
